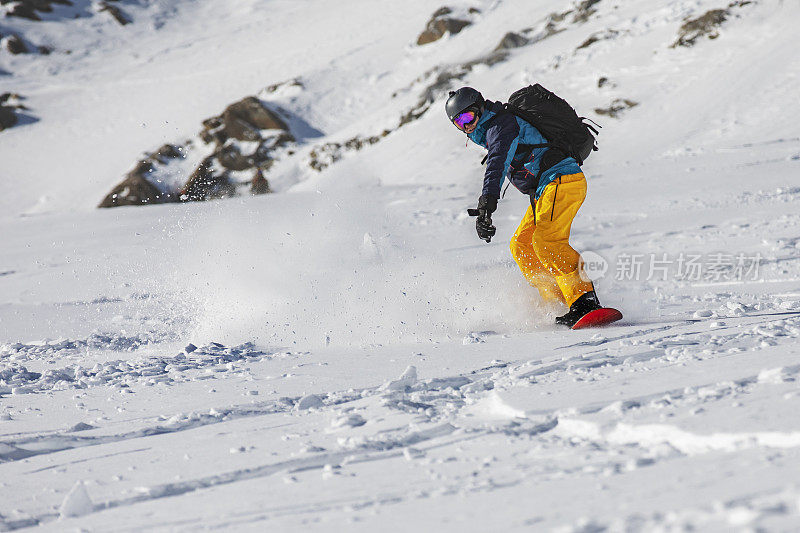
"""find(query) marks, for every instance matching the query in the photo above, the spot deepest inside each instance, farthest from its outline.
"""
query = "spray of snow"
(318, 280)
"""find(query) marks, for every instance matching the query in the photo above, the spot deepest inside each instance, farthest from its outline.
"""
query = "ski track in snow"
(438, 405)
(121, 373)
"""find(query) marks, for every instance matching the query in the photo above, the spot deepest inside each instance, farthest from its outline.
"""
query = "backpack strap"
(507, 109)
(593, 130)
(593, 122)
(552, 156)
(488, 122)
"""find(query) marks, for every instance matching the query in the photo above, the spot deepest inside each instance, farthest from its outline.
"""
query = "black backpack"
(567, 134)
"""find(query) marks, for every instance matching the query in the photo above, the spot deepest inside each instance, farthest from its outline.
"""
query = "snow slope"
(345, 354)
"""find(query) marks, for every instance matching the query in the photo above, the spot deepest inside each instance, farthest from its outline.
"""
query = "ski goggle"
(462, 119)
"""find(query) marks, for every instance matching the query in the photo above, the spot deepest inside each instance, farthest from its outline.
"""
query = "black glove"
(483, 225)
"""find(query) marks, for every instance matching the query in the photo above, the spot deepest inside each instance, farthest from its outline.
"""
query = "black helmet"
(463, 99)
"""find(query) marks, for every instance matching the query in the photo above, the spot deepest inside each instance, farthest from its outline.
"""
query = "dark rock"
(243, 121)
(211, 130)
(602, 82)
(230, 157)
(138, 187)
(551, 28)
(212, 123)
(8, 118)
(704, 25)
(584, 11)
(598, 36)
(282, 139)
(46, 5)
(115, 12)
(247, 114)
(24, 10)
(489, 60)
(324, 156)
(262, 157)
(259, 184)
(246, 120)
(291, 83)
(166, 152)
(590, 41)
(580, 14)
(28, 8)
(206, 183)
(439, 25)
(616, 107)
(135, 189)
(9, 104)
(6, 98)
(45, 50)
(15, 45)
(555, 18)
(512, 40)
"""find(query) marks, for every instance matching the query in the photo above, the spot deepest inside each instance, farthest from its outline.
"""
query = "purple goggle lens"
(463, 119)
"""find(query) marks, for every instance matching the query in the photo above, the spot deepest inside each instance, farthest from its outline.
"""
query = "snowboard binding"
(586, 312)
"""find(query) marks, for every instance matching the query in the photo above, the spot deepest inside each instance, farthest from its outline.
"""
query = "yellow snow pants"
(541, 247)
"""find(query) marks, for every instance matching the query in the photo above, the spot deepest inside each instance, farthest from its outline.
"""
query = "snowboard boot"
(587, 302)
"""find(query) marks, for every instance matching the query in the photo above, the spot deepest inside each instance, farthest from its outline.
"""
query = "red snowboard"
(598, 317)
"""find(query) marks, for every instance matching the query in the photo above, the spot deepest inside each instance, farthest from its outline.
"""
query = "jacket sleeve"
(501, 140)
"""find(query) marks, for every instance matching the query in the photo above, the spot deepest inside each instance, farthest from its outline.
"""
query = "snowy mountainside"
(344, 354)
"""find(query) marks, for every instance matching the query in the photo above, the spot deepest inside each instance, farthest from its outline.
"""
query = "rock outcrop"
(584, 11)
(241, 140)
(512, 40)
(19, 43)
(233, 134)
(441, 79)
(259, 184)
(598, 36)
(242, 121)
(207, 183)
(603, 81)
(13, 44)
(10, 103)
(442, 22)
(115, 12)
(30, 9)
(706, 25)
(137, 187)
(616, 107)
(134, 190)
(8, 118)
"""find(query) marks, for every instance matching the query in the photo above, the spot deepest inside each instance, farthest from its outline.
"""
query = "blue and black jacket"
(508, 139)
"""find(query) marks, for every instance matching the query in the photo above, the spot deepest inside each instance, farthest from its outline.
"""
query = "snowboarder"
(540, 245)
